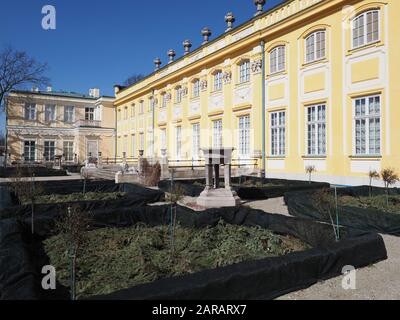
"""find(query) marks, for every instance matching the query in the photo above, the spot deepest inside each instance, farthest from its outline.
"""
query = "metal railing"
(200, 163)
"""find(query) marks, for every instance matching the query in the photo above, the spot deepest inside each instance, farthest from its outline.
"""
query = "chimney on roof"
(157, 62)
(187, 45)
(206, 33)
(94, 93)
(35, 89)
(49, 89)
(230, 19)
(171, 55)
(260, 4)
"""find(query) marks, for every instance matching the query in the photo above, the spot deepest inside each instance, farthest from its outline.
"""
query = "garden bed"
(22, 256)
(74, 197)
(356, 208)
(247, 188)
(142, 254)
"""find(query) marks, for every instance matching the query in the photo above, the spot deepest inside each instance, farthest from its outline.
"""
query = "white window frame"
(244, 136)
(367, 117)
(318, 126)
(218, 134)
(196, 141)
(152, 104)
(53, 112)
(50, 155)
(164, 100)
(89, 113)
(141, 107)
(30, 112)
(365, 41)
(178, 137)
(133, 145)
(133, 111)
(244, 71)
(277, 130)
(163, 138)
(35, 151)
(277, 59)
(67, 147)
(218, 79)
(178, 94)
(196, 88)
(315, 57)
(69, 113)
(141, 141)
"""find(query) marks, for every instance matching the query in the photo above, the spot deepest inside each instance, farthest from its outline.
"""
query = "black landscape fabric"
(137, 196)
(300, 204)
(276, 187)
(38, 171)
(262, 279)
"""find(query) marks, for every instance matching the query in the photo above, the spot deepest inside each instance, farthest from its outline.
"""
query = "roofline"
(254, 18)
(60, 95)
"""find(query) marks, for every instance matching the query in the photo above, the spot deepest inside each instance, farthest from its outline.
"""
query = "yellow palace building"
(307, 83)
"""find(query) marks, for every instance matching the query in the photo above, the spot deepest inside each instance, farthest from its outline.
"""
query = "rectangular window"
(125, 113)
(316, 46)
(244, 72)
(132, 111)
(49, 150)
(278, 132)
(150, 144)
(163, 135)
(133, 146)
(141, 107)
(244, 136)
(196, 140)
(164, 100)
(367, 125)
(218, 81)
(178, 95)
(89, 113)
(30, 150)
(50, 113)
(196, 88)
(152, 104)
(217, 134)
(141, 142)
(365, 28)
(30, 112)
(68, 150)
(178, 142)
(69, 114)
(316, 130)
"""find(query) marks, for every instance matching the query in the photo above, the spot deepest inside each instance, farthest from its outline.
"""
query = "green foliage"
(114, 259)
(59, 198)
(378, 202)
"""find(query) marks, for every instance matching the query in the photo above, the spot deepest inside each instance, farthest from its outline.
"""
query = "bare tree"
(373, 175)
(389, 177)
(17, 69)
(133, 79)
(73, 227)
(310, 170)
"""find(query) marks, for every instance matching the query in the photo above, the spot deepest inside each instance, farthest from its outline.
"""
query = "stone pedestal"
(213, 196)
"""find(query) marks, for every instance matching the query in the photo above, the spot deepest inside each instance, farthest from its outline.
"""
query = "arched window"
(196, 88)
(244, 71)
(365, 28)
(277, 59)
(316, 46)
(218, 80)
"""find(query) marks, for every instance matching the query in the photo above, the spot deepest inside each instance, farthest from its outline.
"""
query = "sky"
(102, 43)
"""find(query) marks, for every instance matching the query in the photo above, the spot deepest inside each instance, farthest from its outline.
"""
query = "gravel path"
(377, 282)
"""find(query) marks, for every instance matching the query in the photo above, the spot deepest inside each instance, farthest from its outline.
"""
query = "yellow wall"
(335, 80)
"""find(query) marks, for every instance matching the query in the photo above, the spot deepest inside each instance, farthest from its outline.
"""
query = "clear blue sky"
(101, 43)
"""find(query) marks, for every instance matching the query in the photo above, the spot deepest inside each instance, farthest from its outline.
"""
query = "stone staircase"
(105, 173)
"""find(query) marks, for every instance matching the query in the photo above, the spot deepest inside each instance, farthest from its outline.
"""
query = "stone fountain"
(213, 196)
